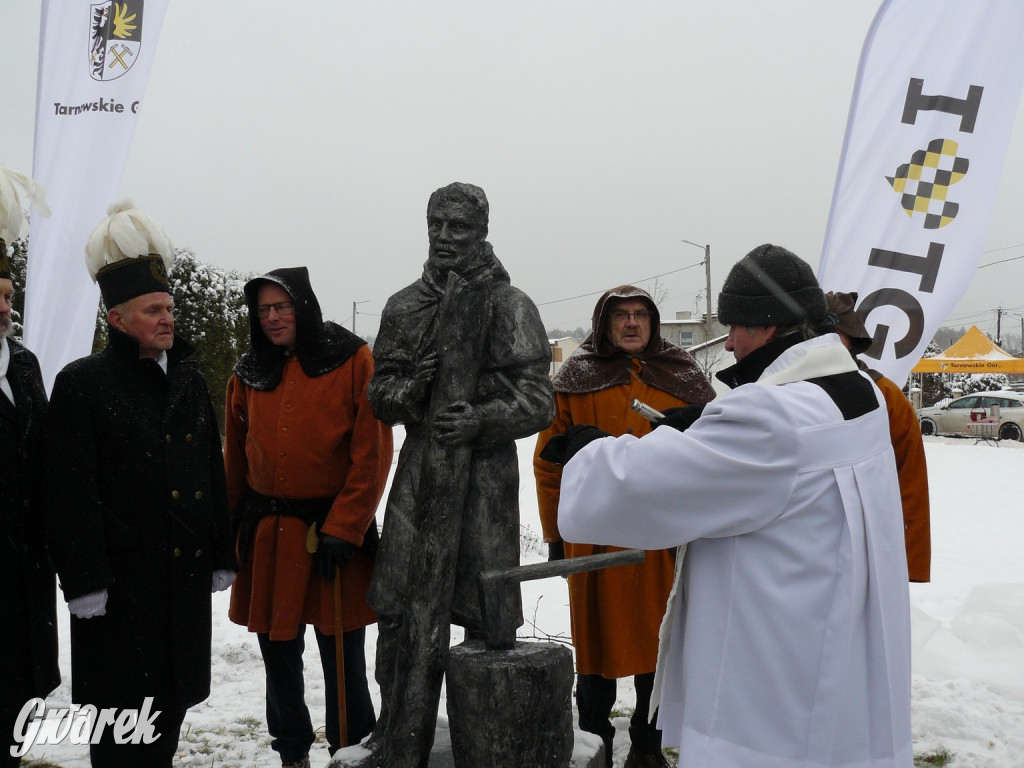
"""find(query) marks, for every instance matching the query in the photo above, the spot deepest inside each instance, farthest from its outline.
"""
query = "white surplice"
(787, 640)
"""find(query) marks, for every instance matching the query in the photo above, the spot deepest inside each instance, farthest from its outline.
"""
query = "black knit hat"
(770, 286)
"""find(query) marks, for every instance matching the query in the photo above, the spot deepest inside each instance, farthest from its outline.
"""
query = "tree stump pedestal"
(510, 708)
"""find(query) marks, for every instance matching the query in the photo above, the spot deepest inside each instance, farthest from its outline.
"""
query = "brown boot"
(303, 763)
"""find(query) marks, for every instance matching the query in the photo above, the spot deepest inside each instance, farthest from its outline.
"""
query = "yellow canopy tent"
(973, 353)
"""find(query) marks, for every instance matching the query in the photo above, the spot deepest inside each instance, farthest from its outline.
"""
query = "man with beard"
(306, 462)
(425, 327)
(616, 612)
(136, 504)
(28, 645)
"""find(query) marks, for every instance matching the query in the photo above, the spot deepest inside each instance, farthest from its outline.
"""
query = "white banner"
(930, 121)
(94, 60)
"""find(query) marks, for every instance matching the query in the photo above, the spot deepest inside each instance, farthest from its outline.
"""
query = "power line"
(642, 280)
(1004, 248)
(1002, 261)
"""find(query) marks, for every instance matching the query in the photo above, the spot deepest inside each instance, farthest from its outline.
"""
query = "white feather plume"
(126, 233)
(12, 217)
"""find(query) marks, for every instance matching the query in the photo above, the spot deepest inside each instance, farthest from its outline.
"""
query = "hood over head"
(308, 317)
(600, 320)
(598, 364)
(320, 346)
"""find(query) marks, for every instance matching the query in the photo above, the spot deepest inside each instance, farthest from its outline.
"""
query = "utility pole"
(708, 324)
(354, 303)
(709, 327)
(999, 327)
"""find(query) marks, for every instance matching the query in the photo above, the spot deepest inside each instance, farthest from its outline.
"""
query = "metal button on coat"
(199, 495)
(175, 494)
(177, 552)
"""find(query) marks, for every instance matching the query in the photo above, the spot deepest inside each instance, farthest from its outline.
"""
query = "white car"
(953, 418)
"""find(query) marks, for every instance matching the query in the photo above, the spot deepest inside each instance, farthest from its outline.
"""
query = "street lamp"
(354, 304)
(708, 325)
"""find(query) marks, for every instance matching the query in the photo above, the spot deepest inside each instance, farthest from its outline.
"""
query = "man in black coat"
(137, 507)
(28, 644)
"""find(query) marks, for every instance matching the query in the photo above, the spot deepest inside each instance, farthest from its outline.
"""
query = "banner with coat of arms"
(94, 61)
(932, 113)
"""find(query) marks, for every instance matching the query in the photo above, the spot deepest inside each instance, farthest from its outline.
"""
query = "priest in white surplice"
(787, 639)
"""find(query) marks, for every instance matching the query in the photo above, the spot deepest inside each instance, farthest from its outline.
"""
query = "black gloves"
(556, 551)
(680, 418)
(330, 552)
(563, 447)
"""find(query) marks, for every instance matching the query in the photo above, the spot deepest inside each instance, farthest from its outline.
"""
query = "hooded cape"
(320, 346)
(598, 364)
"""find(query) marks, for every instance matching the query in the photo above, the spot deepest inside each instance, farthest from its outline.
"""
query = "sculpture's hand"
(423, 378)
(458, 425)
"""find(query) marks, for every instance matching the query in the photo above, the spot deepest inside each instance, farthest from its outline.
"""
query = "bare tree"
(708, 355)
(659, 292)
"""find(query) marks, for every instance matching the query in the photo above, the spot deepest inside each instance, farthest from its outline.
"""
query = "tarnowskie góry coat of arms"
(115, 37)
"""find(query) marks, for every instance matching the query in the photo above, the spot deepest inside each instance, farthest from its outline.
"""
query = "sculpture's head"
(457, 225)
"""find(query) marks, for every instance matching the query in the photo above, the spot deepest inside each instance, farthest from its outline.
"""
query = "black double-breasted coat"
(137, 505)
(28, 644)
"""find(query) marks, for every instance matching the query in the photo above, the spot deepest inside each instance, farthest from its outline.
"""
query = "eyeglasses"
(283, 308)
(620, 315)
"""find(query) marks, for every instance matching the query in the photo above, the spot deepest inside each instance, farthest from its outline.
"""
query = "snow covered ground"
(968, 628)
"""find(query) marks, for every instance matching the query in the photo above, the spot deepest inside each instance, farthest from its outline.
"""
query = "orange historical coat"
(905, 432)
(307, 438)
(615, 612)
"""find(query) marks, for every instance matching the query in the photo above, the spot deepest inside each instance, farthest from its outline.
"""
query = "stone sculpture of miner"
(425, 328)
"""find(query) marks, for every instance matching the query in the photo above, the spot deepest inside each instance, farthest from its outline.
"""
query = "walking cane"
(339, 658)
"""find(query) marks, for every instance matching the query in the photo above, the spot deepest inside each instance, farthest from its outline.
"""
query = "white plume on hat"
(126, 233)
(12, 218)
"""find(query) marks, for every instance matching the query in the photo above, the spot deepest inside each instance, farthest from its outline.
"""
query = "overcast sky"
(604, 133)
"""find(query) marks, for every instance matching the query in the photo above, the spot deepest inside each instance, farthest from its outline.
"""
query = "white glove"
(222, 579)
(87, 606)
